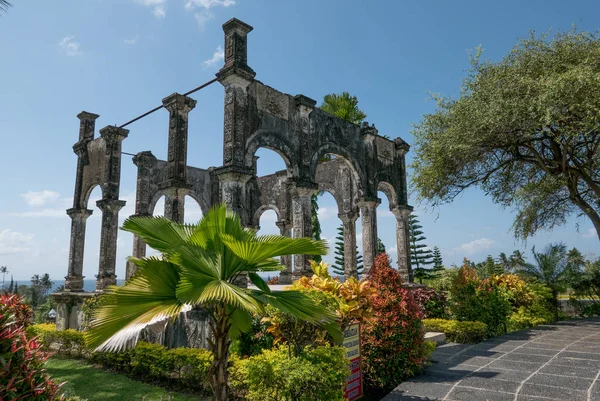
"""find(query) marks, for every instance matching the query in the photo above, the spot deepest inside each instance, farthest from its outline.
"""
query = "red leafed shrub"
(431, 303)
(392, 339)
(21, 376)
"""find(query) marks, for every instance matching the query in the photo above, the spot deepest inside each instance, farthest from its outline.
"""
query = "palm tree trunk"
(219, 374)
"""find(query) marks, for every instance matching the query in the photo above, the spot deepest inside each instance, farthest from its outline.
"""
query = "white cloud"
(158, 7)
(40, 198)
(15, 242)
(589, 233)
(475, 246)
(327, 213)
(217, 57)
(202, 8)
(41, 213)
(131, 41)
(69, 46)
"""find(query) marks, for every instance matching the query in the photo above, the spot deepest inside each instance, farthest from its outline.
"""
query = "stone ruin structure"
(256, 116)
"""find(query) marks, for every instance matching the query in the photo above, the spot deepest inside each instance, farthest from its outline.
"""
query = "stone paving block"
(484, 353)
(471, 360)
(568, 361)
(490, 384)
(472, 394)
(580, 355)
(527, 350)
(516, 365)
(545, 346)
(572, 382)
(553, 392)
(439, 376)
(577, 371)
(515, 356)
(409, 389)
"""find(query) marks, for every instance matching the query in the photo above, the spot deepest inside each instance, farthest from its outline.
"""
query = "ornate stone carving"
(271, 101)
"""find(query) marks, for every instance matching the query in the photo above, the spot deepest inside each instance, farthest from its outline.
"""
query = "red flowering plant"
(392, 339)
(433, 304)
(22, 375)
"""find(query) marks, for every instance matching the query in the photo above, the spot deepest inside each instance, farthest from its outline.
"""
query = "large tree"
(420, 254)
(198, 267)
(524, 129)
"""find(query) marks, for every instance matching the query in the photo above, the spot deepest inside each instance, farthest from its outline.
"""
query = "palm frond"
(241, 322)
(270, 246)
(158, 232)
(148, 298)
(219, 291)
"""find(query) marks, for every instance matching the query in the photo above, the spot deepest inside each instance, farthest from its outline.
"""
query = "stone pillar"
(285, 276)
(349, 226)
(302, 225)
(87, 126)
(175, 204)
(110, 205)
(403, 241)
(74, 278)
(108, 242)
(368, 216)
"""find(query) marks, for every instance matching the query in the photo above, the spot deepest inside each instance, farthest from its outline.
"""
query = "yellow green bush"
(466, 332)
(66, 341)
(277, 375)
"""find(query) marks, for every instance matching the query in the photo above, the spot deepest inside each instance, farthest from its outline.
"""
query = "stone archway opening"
(91, 252)
(192, 210)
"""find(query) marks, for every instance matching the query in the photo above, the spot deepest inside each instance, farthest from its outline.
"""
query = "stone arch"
(274, 142)
(339, 151)
(86, 195)
(259, 212)
(390, 193)
(196, 197)
(154, 200)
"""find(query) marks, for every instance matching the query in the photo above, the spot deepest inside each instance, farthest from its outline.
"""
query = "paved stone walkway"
(551, 362)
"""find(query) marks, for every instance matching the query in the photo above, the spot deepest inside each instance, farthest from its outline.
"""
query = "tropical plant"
(344, 106)
(420, 255)
(587, 285)
(513, 262)
(554, 267)
(198, 268)
(524, 129)
(315, 223)
(4, 5)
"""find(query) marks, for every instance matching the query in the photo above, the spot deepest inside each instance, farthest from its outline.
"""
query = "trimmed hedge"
(67, 340)
(179, 367)
(459, 332)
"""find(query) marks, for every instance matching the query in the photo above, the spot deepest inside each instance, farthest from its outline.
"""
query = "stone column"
(87, 126)
(349, 226)
(285, 276)
(108, 242)
(368, 216)
(232, 183)
(302, 225)
(74, 278)
(174, 204)
(403, 241)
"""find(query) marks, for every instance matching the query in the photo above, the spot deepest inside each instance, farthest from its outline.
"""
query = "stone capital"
(348, 217)
(77, 213)
(85, 115)
(371, 203)
(235, 76)
(235, 25)
(112, 133)
(283, 224)
(302, 100)
(145, 158)
(234, 173)
(110, 205)
(401, 211)
(178, 103)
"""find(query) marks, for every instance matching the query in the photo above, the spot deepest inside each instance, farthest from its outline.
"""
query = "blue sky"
(119, 58)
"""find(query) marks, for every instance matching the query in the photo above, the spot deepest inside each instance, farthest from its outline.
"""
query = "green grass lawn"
(95, 384)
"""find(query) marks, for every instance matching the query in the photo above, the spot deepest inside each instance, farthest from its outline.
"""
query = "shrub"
(473, 299)
(253, 341)
(179, 367)
(591, 310)
(527, 317)
(275, 375)
(392, 339)
(458, 332)
(22, 375)
(66, 340)
(518, 292)
(431, 302)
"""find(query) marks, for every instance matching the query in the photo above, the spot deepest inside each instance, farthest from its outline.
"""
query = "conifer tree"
(316, 224)
(11, 286)
(338, 266)
(380, 246)
(438, 264)
(420, 255)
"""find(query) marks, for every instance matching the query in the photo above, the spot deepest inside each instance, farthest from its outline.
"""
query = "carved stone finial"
(401, 145)
(145, 158)
(302, 100)
(112, 133)
(236, 50)
(177, 102)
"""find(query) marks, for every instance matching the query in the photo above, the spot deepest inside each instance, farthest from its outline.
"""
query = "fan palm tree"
(343, 106)
(198, 268)
(4, 5)
(554, 267)
(46, 284)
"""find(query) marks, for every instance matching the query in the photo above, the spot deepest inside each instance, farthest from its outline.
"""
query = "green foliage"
(489, 268)
(179, 368)
(391, 339)
(343, 106)
(66, 341)
(438, 264)
(591, 310)
(253, 341)
(89, 307)
(473, 299)
(380, 246)
(465, 332)
(429, 347)
(315, 223)
(587, 285)
(526, 317)
(444, 280)
(338, 266)
(420, 255)
(275, 375)
(524, 129)
(433, 304)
